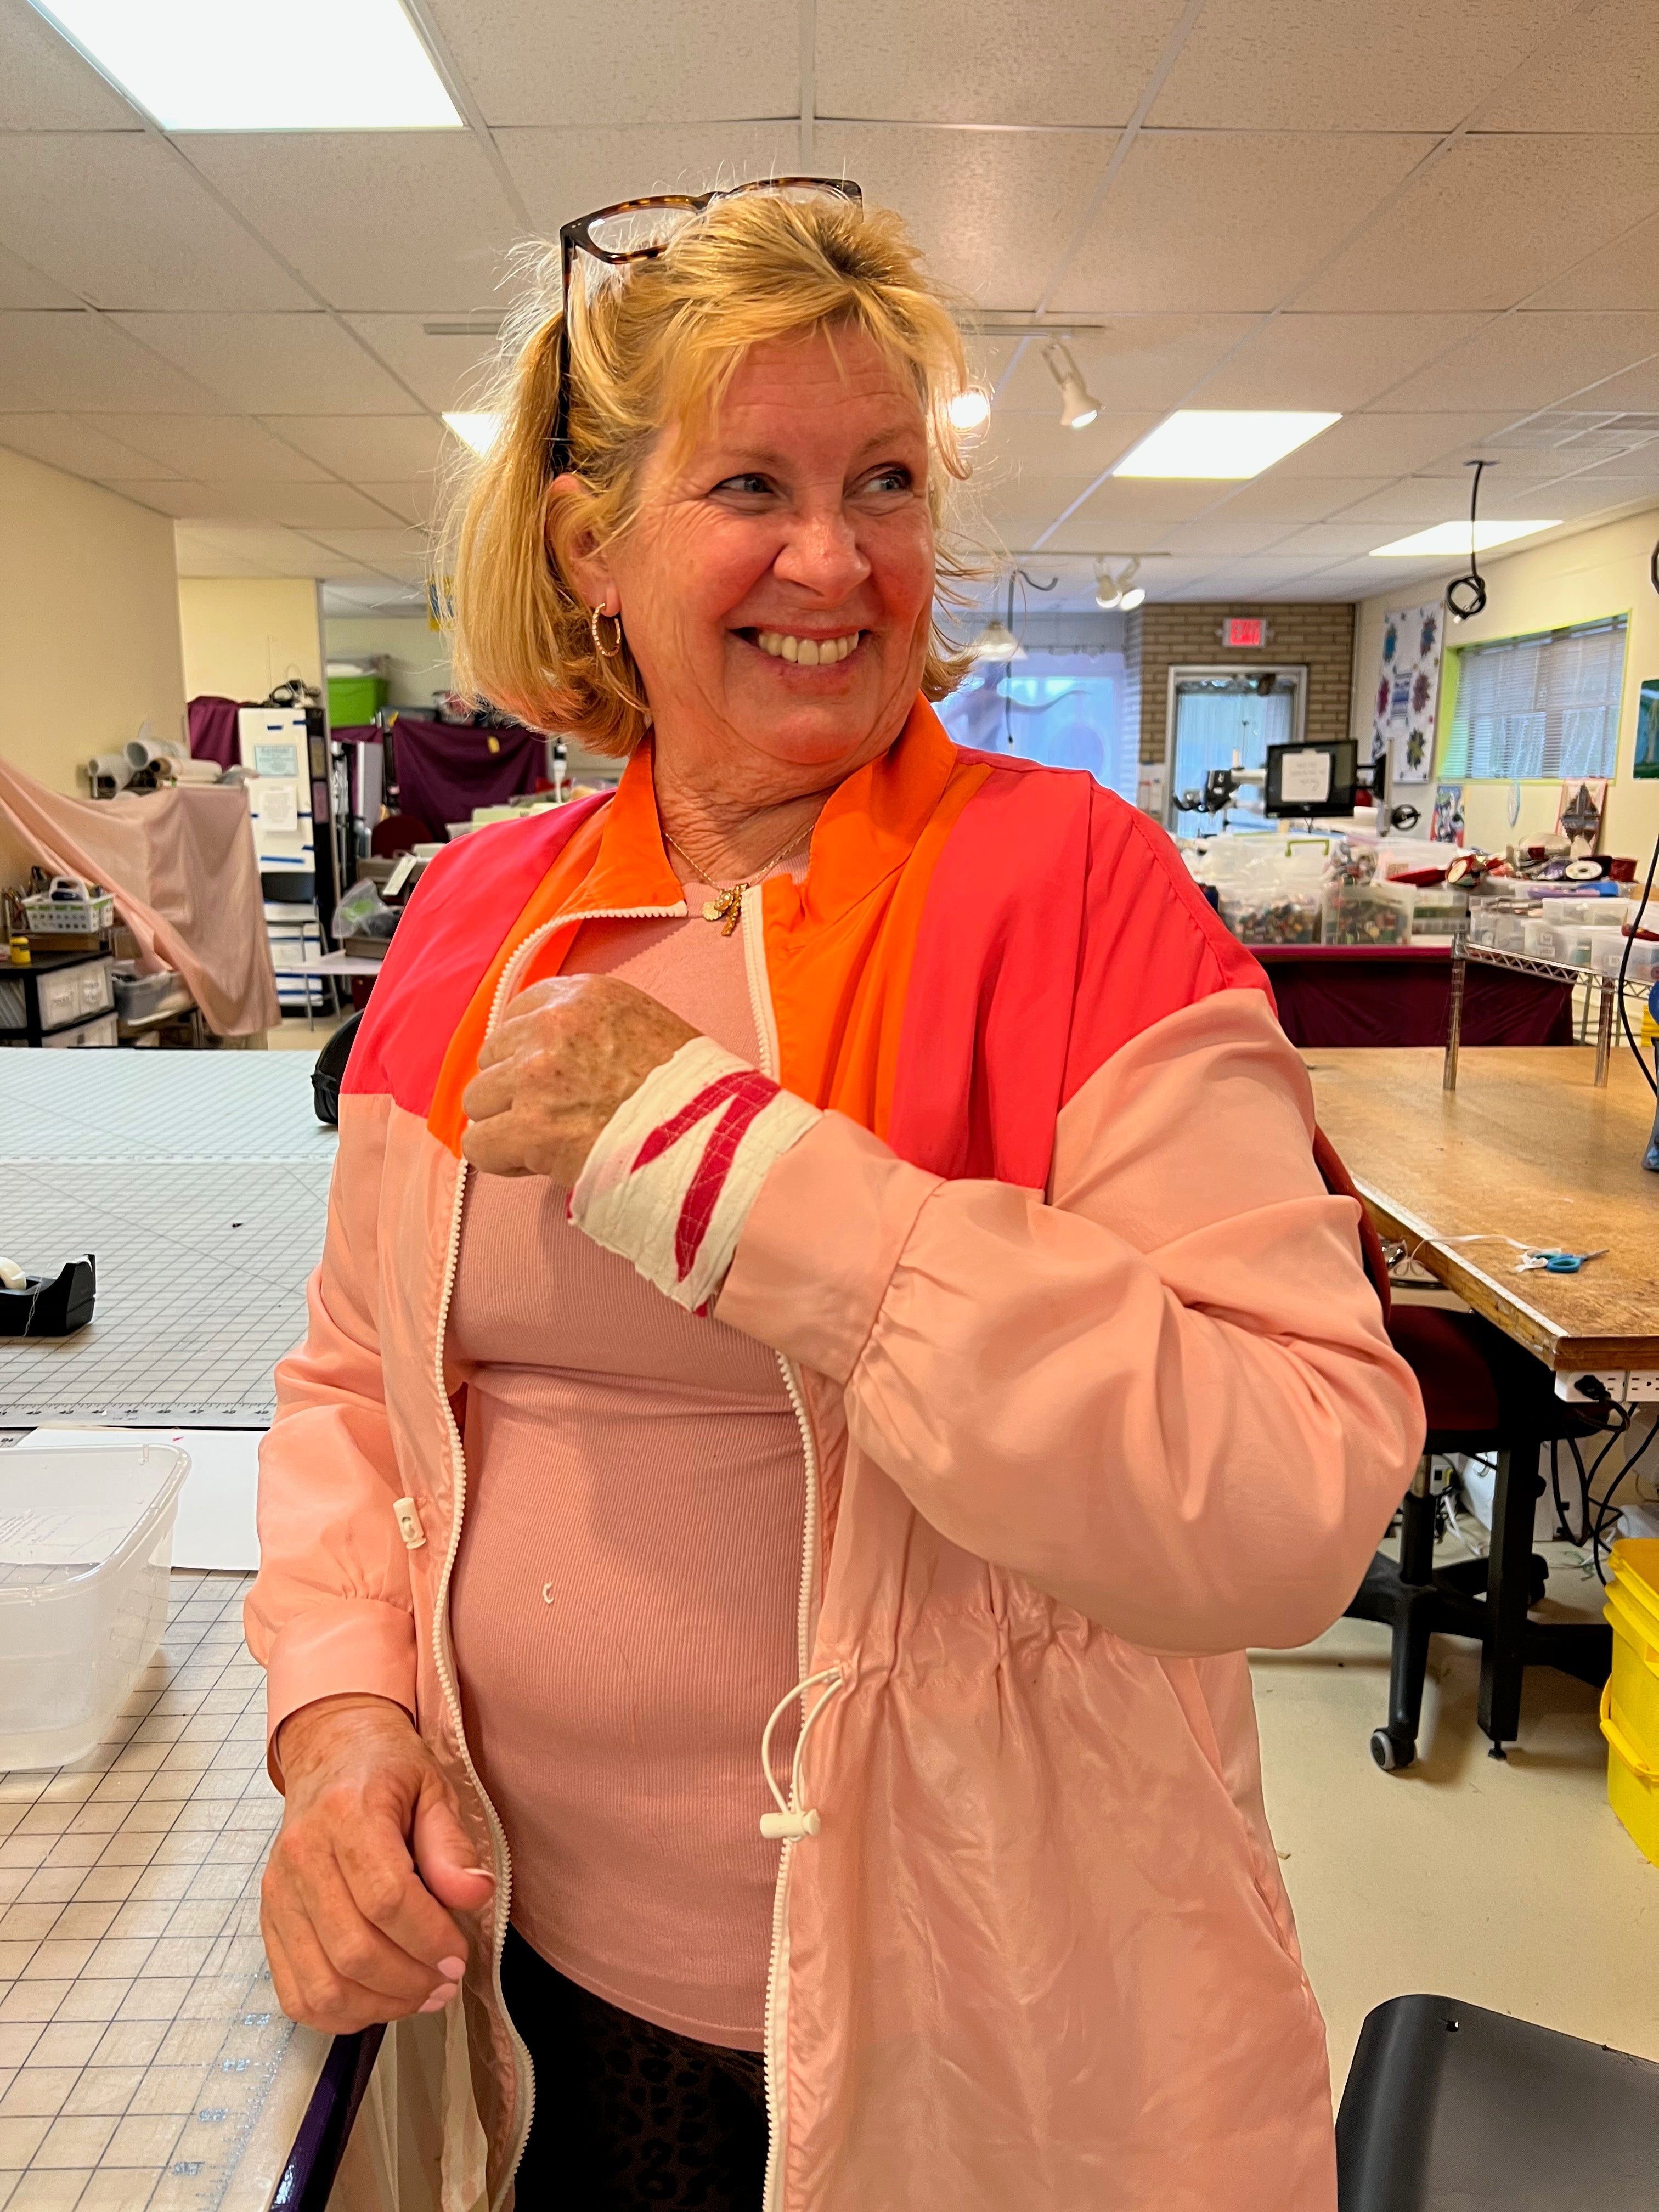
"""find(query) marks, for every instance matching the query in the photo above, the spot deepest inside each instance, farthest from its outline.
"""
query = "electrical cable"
(1606, 1513)
(1017, 574)
(1474, 584)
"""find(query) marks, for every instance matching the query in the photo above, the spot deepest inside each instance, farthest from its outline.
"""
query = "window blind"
(1544, 706)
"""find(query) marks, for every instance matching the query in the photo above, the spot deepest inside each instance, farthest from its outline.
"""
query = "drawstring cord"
(788, 1824)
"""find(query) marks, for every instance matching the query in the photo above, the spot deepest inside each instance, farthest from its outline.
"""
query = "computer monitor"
(1319, 777)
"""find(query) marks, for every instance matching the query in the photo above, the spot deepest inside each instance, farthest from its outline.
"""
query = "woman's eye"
(895, 479)
(750, 485)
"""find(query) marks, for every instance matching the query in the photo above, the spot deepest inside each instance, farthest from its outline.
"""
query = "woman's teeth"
(807, 651)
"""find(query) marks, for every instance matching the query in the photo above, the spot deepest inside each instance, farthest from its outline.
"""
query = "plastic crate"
(86, 1545)
(355, 700)
(141, 997)
(50, 914)
(1630, 1703)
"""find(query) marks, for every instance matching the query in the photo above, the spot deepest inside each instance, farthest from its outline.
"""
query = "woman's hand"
(370, 1853)
(569, 1053)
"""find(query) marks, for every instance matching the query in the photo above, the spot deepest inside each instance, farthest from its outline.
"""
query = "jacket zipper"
(524, 2073)
(777, 1971)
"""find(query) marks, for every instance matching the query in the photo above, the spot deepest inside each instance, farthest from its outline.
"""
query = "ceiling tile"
(1392, 65)
(1625, 274)
(362, 446)
(73, 362)
(386, 549)
(275, 364)
(1413, 503)
(1276, 497)
(443, 372)
(169, 496)
(1330, 361)
(1532, 360)
(989, 209)
(372, 219)
(415, 499)
(1577, 499)
(1329, 541)
(954, 61)
(635, 60)
(44, 83)
(212, 448)
(1020, 447)
(1599, 74)
(1132, 361)
(118, 217)
(21, 286)
(1228, 220)
(267, 552)
(73, 443)
(1389, 445)
(563, 174)
(1144, 503)
(1223, 535)
(1637, 390)
(1491, 220)
(326, 507)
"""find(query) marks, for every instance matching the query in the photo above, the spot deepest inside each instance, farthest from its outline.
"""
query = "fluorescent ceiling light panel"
(479, 431)
(1209, 442)
(1454, 537)
(262, 64)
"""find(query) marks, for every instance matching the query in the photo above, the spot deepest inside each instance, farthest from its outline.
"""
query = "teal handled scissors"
(1558, 1263)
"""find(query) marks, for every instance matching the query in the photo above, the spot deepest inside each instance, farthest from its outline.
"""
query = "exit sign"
(1244, 632)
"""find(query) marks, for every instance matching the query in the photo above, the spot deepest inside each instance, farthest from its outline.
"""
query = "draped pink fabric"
(186, 884)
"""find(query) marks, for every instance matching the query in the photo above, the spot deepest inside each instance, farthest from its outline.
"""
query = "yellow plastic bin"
(1630, 1703)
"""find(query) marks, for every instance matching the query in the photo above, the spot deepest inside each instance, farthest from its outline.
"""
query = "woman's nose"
(822, 554)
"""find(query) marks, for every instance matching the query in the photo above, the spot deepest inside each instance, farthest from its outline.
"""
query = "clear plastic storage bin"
(1280, 917)
(1438, 915)
(1566, 943)
(1369, 913)
(86, 1545)
(1609, 950)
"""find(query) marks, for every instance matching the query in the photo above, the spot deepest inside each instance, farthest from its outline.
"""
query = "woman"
(893, 1293)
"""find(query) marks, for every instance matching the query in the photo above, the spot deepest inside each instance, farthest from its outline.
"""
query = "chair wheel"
(1390, 1755)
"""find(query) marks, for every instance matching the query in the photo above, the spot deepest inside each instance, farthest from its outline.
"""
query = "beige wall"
(88, 627)
(245, 635)
(419, 655)
(1573, 580)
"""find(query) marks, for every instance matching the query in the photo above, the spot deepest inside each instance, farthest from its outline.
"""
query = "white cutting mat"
(180, 1107)
(201, 1287)
(146, 2065)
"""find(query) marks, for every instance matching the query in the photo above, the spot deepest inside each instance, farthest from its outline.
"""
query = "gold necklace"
(729, 907)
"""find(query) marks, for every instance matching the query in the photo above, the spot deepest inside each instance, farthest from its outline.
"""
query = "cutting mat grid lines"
(201, 1286)
(156, 1106)
(139, 2034)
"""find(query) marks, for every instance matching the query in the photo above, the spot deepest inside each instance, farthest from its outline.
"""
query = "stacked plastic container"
(1630, 1703)
(86, 1545)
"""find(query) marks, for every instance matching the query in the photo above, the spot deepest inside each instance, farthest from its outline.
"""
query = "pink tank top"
(623, 1605)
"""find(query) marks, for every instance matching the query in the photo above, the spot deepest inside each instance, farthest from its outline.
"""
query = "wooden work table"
(1528, 1147)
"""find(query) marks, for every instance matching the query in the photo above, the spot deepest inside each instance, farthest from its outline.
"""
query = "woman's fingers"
(311, 1990)
(445, 1859)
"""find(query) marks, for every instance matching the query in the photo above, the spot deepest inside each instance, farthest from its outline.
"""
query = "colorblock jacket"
(1092, 1394)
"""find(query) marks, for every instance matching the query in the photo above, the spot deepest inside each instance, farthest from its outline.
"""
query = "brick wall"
(1318, 637)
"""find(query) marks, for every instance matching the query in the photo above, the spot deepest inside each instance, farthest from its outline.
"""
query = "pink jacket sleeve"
(332, 1610)
(1167, 1397)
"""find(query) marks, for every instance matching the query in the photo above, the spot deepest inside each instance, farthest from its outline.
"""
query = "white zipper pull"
(793, 1822)
(789, 1827)
(408, 1515)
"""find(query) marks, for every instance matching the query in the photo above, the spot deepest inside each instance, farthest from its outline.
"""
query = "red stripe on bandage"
(737, 1099)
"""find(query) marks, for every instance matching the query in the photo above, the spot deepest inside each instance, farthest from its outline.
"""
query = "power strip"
(1617, 1386)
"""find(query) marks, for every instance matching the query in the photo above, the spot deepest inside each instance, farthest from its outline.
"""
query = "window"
(1221, 715)
(1059, 707)
(1544, 706)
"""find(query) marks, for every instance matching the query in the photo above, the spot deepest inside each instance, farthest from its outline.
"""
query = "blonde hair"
(656, 341)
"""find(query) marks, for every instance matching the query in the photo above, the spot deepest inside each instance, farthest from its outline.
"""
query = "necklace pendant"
(734, 909)
(726, 908)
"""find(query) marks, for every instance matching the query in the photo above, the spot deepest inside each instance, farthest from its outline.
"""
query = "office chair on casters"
(1481, 1394)
(1449, 2108)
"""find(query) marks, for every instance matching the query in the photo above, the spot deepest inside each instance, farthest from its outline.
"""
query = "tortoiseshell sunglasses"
(639, 230)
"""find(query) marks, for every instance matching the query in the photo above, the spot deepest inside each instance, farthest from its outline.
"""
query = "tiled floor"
(139, 2041)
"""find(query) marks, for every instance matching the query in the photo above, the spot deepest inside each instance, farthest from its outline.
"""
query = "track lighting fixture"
(1078, 406)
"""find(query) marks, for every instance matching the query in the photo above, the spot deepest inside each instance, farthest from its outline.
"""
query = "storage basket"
(1630, 1703)
(50, 913)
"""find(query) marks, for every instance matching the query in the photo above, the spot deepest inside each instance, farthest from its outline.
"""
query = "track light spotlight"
(1078, 406)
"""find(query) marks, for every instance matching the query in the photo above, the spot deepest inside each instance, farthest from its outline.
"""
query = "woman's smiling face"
(776, 585)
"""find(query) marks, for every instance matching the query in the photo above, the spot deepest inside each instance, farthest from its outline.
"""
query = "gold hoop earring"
(594, 622)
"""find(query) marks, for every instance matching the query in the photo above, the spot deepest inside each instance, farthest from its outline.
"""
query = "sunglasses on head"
(639, 230)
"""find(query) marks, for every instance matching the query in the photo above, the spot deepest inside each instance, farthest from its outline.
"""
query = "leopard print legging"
(630, 2118)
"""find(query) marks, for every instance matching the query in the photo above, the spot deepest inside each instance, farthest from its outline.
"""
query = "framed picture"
(1578, 813)
(1407, 693)
(1448, 814)
(1647, 728)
